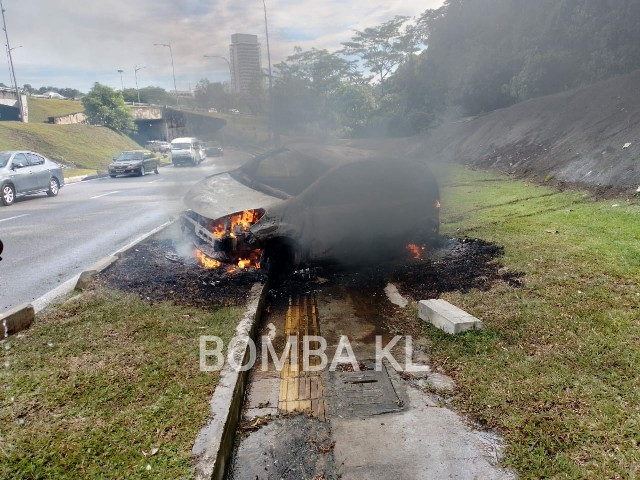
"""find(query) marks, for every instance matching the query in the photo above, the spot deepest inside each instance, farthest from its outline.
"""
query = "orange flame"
(235, 224)
(207, 262)
(416, 250)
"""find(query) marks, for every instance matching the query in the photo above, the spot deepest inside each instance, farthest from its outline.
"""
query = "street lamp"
(121, 81)
(135, 73)
(175, 88)
(13, 72)
(266, 30)
(228, 64)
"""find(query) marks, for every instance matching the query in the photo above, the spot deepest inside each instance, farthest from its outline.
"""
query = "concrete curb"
(76, 179)
(74, 282)
(17, 319)
(214, 445)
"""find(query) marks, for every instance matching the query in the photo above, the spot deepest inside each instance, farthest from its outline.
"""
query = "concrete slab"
(16, 319)
(422, 442)
(447, 317)
(395, 296)
(86, 277)
(262, 398)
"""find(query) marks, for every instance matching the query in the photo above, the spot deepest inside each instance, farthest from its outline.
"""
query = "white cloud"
(72, 43)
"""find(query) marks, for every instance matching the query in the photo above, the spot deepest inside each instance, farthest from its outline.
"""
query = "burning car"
(305, 204)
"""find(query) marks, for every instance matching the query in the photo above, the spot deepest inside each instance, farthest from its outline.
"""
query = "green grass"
(556, 370)
(97, 382)
(83, 146)
(40, 109)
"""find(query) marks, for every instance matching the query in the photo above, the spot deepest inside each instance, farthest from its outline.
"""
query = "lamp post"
(13, 72)
(135, 73)
(266, 30)
(121, 81)
(175, 88)
(228, 64)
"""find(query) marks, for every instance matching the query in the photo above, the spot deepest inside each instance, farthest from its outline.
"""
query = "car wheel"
(277, 260)
(142, 172)
(112, 176)
(155, 170)
(54, 187)
(8, 194)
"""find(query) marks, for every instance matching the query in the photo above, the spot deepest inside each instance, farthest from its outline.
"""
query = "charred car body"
(305, 204)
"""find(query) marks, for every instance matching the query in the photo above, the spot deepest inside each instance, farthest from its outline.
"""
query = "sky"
(74, 43)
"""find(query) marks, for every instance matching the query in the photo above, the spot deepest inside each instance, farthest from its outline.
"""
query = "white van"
(187, 150)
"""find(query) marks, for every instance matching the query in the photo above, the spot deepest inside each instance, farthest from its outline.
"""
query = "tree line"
(469, 56)
(407, 74)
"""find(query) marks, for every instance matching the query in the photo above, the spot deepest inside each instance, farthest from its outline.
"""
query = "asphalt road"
(49, 240)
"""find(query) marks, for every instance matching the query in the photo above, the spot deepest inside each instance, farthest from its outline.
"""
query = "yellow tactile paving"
(300, 390)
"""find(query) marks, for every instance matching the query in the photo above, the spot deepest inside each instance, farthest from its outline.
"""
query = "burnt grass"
(457, 264)
(156, 272)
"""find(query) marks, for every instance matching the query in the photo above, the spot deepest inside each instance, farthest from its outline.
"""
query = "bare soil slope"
(575, 136)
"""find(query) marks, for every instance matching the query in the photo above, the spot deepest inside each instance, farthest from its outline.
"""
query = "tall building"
(246, 65)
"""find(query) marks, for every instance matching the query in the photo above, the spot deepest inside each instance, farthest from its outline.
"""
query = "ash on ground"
(456, 265)
(164, 268)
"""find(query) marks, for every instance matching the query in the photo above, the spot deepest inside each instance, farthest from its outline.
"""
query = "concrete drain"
(360, 394)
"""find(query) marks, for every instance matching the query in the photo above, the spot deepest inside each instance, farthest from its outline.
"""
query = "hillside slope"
(577, 136)
(83, 146)
(40, 109)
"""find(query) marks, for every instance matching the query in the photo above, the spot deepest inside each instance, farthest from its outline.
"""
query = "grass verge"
(556, 370)
(102, 380)
(83, 146)
(40, 109)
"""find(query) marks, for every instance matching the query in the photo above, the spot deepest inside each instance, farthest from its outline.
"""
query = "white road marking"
(154, 181)
(13, 218)
(105, 194)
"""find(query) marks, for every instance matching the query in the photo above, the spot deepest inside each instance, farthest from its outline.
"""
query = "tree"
(382, 48)
(105, 106)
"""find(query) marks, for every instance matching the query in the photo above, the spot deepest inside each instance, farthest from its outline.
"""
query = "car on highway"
(187, 151)
(307, 204)
(26, 172)
(214, 149)
(158, 146)
(134, 162)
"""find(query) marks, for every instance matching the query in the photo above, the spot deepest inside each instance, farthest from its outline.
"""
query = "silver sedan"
(25, 172)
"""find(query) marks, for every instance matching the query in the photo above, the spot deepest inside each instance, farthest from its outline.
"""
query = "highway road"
(48, 241)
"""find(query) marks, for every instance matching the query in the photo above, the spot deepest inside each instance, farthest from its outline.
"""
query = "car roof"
(184, 140)
(333, 155)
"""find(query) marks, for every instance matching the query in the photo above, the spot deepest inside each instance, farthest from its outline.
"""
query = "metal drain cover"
(361, 394)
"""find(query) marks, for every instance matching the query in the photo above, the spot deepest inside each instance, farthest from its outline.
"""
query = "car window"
(20, 158)
(287, 171)
(4, 158)
(129, 156)
(35, 159)
(180, 146)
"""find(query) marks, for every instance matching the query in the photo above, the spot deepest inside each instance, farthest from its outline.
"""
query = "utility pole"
(135, 73)
(266, 30)
(13, 72)
(228, 64)
(121, 81)
(175, 87)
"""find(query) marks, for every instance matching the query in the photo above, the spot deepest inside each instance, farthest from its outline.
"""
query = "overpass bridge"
(155, 122)
(10, 106)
